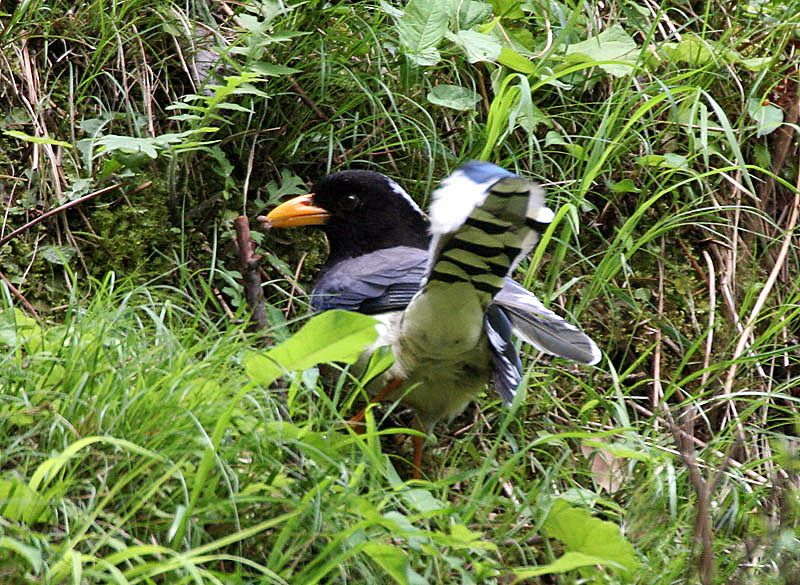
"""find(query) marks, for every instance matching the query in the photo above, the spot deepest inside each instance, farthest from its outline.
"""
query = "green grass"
(135, 446)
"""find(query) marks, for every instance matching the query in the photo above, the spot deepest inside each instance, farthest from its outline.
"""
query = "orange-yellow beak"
(296, 212)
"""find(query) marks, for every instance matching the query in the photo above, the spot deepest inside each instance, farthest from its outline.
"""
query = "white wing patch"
(454, 201)
(402, 192)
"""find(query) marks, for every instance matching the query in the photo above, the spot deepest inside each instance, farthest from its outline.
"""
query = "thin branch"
(20, 297)
(249, 261)
(62, 208)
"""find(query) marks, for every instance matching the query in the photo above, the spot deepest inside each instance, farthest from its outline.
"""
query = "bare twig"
(249, 261)
(765, 292)
(62, 208)
(309, 102)
(20, 297)
(712, 310)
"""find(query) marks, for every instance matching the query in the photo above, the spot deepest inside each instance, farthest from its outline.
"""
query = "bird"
(439, 285)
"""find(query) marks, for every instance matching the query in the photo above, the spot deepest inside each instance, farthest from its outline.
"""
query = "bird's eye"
(350, 202)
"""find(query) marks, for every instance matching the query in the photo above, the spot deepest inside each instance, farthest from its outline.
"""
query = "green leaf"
(756, 63)
(453, 96)
(468, 13)
(35, 139)
(16, 327)
(477, 46)
(513, 60)
(670, 160)
(691, 50)
(768, 117)
(613, 44)
(332, 336)
(60, 255)
(271, 70)
(421, 28)
(423, 501)
(509, 9)
(582, 533)
(569, 562)
(390, 558)
(624, 186)
(20, 503)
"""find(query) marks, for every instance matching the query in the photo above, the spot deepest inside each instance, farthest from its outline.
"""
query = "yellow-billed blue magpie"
(440, 286)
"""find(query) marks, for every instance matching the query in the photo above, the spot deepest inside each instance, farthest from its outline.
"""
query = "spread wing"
(542, 328)
(384, 280)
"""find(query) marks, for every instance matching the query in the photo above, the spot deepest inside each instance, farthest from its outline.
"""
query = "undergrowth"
(138, 446)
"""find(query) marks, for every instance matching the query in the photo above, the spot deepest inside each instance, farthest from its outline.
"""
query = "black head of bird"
(359, 211)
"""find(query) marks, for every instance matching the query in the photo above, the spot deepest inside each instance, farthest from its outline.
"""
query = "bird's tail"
(484, 220)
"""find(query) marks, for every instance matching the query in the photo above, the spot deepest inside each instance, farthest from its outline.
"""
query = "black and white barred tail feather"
(484, 220)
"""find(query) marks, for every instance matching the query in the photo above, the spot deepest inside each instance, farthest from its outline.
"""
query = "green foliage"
(333, 336)
(137, 448)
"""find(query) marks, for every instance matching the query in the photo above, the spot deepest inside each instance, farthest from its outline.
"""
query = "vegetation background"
(142, 442)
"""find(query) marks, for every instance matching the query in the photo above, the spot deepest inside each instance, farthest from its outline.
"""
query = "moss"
(133, 232)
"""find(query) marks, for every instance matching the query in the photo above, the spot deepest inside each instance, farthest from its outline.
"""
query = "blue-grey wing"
(507, 367)
(542, 328)
(385, 280)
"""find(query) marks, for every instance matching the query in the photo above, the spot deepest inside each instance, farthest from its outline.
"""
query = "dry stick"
(702, 528)
(754, 477)
(712, 307)
(762, 297)
(295, 288)
(249, 261)
(308, 101)
(225, 308)
(20, 297)
(62, 208)
(703, 531)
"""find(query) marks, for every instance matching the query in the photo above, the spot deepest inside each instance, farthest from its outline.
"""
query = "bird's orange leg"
(419, 445)
(358, 418)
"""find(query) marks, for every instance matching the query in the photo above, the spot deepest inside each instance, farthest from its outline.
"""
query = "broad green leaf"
(468, 13)
(332, 336)
(16, 327)
(768, 117)
(421, 28)
(676, 161)
(624, 186)
(756, 63)
(477, 46)
(390, 558)
(271, 69)
(569, 562)
(582, 533)
(20, 503)
(508, 9)
(128, 144)
(513, 60)
(423, 501)
(60, 255)
(690, 50)
(463, 537)
(670, 160)
(35, 139)
(613, 44)
(453, 96)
